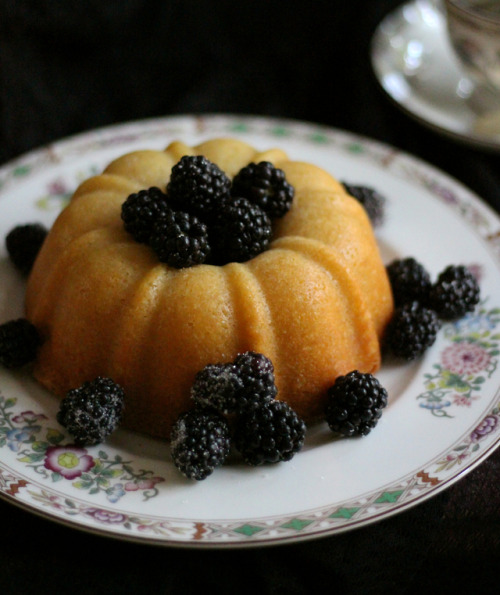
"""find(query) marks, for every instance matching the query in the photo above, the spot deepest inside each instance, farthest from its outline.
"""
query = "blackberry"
(372, 201)
(19, 341)
(266, 186)
(270, 433)
(199, 442)
(241, 231)
(217, 386)
(180, 239)
(23, 243)
(409, 280)
(93, 411)
(412, 329)
(355, 403)
(256, 373)
(455, 292)
(234, 386)
(141, 210)
(197, 185)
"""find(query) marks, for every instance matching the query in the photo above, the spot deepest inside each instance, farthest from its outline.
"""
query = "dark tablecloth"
(69, 67)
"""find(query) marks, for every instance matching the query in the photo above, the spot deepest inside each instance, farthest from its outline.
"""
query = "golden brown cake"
(316, 302)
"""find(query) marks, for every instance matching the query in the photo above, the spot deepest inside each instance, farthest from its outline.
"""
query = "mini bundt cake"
(315, 302)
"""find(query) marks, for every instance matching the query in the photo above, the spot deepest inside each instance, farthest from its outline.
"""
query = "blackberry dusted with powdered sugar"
(199, 442)
(256, 373)
(93, 411)
(248, 381)
(217, 386)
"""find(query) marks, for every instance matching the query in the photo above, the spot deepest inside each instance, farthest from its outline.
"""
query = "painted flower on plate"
(58, 186)
(143, 484)
(475, 322)
(457, 458)
(463, 400)
(115, 492)
(19, 436)
(28, 417)
(435, 405)
(465, 358)
(445, 193)
(487, 426)
(106, 516)
(68, 461)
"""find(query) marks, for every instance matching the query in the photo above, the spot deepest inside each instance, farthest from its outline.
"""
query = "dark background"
(66, 67)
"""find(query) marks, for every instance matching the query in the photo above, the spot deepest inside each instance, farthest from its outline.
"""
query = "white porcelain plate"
(442, 420)
(413, 61)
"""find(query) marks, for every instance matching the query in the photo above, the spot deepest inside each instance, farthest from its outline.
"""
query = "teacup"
(474, 31)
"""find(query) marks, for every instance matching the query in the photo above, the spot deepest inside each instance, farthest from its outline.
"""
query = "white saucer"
(414, 62)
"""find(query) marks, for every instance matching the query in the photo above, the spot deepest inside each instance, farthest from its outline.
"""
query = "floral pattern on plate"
(465, 364)
(43, 450)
